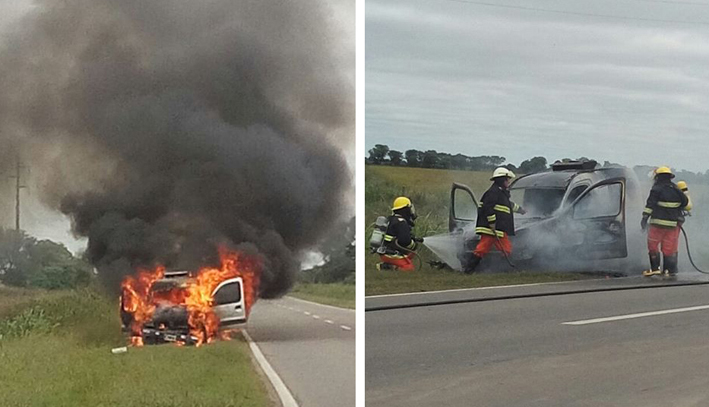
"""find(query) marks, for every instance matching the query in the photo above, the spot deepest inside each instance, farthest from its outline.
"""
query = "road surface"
(559, 350)
(310, 346)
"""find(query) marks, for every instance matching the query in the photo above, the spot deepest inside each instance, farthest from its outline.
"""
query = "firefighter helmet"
(682, 185)
(664, 170)
(502, 172)
(401, 202)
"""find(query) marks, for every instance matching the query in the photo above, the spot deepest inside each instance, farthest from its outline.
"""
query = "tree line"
(381, 154)
(28, 262)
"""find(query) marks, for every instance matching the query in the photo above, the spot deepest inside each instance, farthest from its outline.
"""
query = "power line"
(689, 3)
(575, 13)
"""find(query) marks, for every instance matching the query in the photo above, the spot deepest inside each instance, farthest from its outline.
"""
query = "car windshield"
(538, 202)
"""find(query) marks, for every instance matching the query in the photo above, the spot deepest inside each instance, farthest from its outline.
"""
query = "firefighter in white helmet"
(495, 219)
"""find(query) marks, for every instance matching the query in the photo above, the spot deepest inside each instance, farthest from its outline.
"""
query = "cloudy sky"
(619, 80)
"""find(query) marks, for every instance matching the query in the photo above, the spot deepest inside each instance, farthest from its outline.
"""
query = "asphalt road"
(520, 352)
(310, 346)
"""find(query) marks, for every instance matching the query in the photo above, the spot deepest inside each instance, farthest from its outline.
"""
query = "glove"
(521, 211)
(643, 223)
(417, 239)
(494, 229)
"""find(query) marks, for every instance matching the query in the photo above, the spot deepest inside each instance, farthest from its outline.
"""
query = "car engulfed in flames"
(159, 306)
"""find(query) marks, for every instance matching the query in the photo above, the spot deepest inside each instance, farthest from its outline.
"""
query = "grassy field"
(55, 350)
(338, 295)
(429, 189)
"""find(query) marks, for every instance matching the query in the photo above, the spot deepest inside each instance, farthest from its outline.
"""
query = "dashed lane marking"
(638, 315)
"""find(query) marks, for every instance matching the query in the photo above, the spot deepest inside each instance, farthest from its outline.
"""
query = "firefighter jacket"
(665, 205)
(496, 207)
(398, 235)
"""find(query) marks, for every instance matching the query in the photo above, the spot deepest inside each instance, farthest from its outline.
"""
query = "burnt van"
(576, 213)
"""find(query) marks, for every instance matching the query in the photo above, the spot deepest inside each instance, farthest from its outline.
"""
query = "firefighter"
(664, 211)
(399, 242)
(495, 219)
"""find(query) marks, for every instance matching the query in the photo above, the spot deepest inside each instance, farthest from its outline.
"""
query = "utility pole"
(18, 186)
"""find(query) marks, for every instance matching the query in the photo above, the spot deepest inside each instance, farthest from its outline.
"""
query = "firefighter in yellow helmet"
(495, 219)
(399, 242)
(664, 211)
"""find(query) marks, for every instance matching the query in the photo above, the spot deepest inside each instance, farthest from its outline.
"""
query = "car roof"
(562, 179)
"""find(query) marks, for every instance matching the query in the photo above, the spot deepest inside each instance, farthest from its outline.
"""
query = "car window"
(575, 193)
(228, 293)
(538, 202)
(602, 201)
(464, 205)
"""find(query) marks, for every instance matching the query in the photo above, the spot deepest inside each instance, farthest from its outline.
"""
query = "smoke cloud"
(163, 128)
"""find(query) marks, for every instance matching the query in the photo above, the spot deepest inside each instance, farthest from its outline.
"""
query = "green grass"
(56, 351)
(338, 295)
(393, 282)
(429, 189)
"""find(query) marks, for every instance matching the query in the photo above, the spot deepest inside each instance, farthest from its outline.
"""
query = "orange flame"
(135, 300)
(197, 297)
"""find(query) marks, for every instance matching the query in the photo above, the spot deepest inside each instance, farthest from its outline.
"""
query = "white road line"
(316, 316)
(345, 327)
(287, 399)
(639, 315)
(306, 313)
(320, 305)
(327, 321)
(455, 290)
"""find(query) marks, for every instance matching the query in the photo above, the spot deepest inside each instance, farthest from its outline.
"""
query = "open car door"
(597, 221)
(229, 303)
(463, 208)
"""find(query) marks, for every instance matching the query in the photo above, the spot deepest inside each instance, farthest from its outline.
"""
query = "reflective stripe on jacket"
(496, 207)
(665, 205)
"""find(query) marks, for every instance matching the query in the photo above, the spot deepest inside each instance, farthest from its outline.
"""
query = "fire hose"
(504, 253)
(689, 254)
(416, 255)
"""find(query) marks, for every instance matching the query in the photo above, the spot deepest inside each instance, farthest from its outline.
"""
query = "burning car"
(159, 306)
(576, 213)
(170, 318)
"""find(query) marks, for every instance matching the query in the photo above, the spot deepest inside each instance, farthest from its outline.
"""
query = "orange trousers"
(404, 263)
(486, 242)
(668, 238)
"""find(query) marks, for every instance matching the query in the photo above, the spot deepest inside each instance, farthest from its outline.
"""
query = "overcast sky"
(619, 80)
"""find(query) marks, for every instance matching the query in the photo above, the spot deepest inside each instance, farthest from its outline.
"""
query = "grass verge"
(395, 282)
(338, 295)
(56, 351)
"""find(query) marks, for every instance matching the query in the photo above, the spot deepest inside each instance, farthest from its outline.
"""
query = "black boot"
(654, 265)
(670, 265)
(473, 261)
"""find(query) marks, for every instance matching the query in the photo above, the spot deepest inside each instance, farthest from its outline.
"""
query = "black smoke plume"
(164, 128)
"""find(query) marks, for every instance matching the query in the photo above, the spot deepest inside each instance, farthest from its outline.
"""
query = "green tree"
(395, 157)
(536, 164)
(26, 262)
(378, 153)
(430, 159)
(413, 158)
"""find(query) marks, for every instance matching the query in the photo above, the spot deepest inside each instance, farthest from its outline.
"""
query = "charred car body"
(576, 214)
(169, 321)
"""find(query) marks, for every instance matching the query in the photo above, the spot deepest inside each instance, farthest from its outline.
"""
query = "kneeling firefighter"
(399, 243)
(495, 219)
(664, 211)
